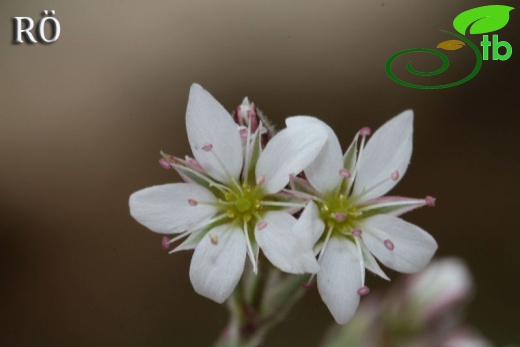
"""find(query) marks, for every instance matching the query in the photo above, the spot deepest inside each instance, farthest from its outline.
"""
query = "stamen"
(261, 225)
(325, 243)
(249, 148)
(357, 232)
(361, 260)
(366, 131)
(281, 204)
(214, 239)
(363, 291)
(340, 217)
(164, 163)
(194, 164)
(308, 285)
(345, 173)
(208, 147)
(243, 133)
(250, 248)
(193, 202)
(394, 176)
(220, 187)
(430, 201)
(389, 245)
(165, 242)
(261, 180)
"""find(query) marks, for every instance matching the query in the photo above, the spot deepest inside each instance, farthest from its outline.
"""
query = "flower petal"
(340, 278)
(310, 225)
(210, 126)
(218, 262)
(166, 209)
(413, 247)
(289, 152)
(286, 248)
(323, 172)
(389, 150)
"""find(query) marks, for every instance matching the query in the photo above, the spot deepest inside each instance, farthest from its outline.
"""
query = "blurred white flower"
(465, 337)
(360, 222)
(231, 203)
(443, 285)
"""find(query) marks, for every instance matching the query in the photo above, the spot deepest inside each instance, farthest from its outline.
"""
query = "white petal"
(310, 225)
(216, 267)
(323, 172)
(166, 209)
(340, 278)
(286, 248)
(289, 152)
(209, 124)
(413, 247)
(387, 151)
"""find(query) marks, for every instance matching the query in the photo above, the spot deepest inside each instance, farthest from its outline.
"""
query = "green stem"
(258, 305)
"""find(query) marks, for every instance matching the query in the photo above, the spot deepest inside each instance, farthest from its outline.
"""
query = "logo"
(479, 20)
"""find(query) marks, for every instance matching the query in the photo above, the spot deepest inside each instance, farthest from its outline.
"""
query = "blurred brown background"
(82, 122)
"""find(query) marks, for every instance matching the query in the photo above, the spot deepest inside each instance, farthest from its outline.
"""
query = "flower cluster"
(245, 185)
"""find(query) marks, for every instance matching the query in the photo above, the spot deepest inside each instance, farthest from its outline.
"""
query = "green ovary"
(243, 204)
(338, 213)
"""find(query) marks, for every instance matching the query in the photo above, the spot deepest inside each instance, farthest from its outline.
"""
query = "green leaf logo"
(482, 20)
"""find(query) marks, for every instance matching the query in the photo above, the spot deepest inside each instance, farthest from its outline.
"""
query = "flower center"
(243, 203)
(338, 213)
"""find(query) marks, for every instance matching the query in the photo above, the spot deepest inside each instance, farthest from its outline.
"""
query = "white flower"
(359, 222)
(232, 202)
(440, 288)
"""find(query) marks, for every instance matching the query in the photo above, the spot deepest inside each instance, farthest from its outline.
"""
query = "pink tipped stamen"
(356, 232)
(345, 173)
(395, 175)
(363, 291)
(193, 202)
(430, 201)
(366, 131)
(165, 164)
(213, 239)
(261, 180)
(340, 217)
(243, 133)
(261, 225)
(389, 245)
(165, 242)
(207, 147)
(307, 285)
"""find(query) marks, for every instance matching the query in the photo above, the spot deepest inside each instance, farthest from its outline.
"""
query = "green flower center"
(338, 213)
(243, 203)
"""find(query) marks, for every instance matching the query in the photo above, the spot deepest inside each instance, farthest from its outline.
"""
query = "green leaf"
(482, 20)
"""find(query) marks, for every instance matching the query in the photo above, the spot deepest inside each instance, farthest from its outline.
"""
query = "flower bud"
(441, 287)
(249, 118)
